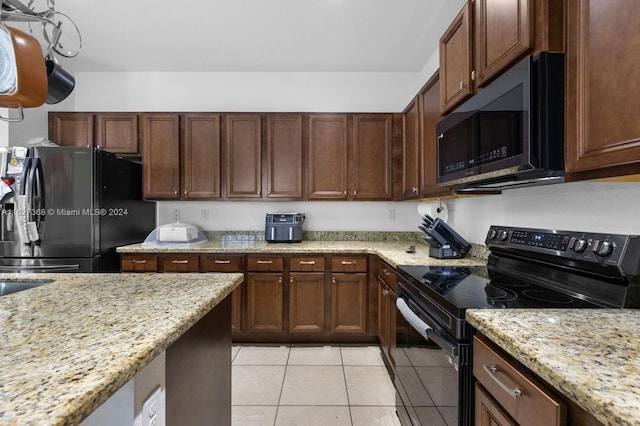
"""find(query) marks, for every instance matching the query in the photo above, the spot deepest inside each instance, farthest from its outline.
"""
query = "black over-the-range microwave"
(510, 134)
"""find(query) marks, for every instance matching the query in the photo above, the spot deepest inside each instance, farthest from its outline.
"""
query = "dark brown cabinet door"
(71, 128)
(602, 126)
(244, 155)
(264, 302)
(306, 302)
(327, 153)
(201, 156)
(284, 156)
(348, 303)
(455, 61)
(236, 310)
(410, 151)
(503, 32)
(117, 132)
(383, 315)
(371, 157)
(487, 412)
(429, 116)
(161, 150)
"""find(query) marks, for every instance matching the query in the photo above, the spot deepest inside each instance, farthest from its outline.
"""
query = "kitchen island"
(589, 356)
(69, 345)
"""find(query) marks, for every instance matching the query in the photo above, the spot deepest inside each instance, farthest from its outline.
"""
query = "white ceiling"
(257, 35)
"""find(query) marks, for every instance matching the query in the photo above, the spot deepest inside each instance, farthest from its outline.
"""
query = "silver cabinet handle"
(307, 262)
(491, 371)
(179, 262)
(353, 262)
(139, 261)
(224, 262)
(264, 262)
(473, 75)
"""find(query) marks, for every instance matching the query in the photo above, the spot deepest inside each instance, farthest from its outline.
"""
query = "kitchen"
(593, 206)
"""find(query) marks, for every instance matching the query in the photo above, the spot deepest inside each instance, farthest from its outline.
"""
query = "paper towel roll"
(437, 210)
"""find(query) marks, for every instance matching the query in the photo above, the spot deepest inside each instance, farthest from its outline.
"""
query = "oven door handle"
(414, 320)
(428, 332)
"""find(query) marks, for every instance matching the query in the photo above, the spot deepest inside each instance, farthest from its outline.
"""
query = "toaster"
(283, 227)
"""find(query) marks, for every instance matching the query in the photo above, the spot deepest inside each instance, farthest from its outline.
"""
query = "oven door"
(433, 374)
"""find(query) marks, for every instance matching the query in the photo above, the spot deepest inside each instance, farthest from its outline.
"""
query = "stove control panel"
(605, 249)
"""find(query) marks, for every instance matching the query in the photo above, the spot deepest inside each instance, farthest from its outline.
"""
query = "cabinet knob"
(415, 189)
(473, 75)
(175, 192)
(291, 280)
(345, 192)
(354, 192)
(258, 192)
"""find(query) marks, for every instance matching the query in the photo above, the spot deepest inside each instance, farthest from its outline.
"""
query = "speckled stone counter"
(589, 355)
(392, 252)
(69, 345)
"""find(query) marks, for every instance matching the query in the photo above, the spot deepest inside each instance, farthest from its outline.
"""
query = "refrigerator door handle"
(26, 168)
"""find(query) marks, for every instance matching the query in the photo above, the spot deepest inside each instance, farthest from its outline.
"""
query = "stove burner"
(548, 297)
(499, 294)
(445, 272)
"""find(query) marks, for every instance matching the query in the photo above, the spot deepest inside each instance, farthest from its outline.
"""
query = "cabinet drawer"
(307, 264)
(528, 402)
(348, 264)
(138, 263)
(265, 263)
(387, 274)
(179, 263)
(221, 263)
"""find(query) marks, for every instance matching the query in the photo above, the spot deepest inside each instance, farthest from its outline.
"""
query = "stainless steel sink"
(8, 287)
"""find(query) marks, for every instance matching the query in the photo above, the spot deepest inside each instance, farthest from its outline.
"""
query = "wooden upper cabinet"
(503, 32)
(410, 151)
(71, 128)
(244, 155)
(327, 156)
(117, 132)
(161, 164)
(455, 61)
(284, 156)
(371, 157)
(488, 37)
(201, 156)
(602, 126)
(428, 99)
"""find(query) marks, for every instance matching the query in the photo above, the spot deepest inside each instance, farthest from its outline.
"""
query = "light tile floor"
(307, 385)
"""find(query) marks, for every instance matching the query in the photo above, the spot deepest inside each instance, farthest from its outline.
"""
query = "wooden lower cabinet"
(264, 302)
(487, 412)
(349, 303)
(306, 302)
(288, 298)
(387, 312)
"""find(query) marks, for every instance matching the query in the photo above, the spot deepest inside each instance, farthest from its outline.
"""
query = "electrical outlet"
(151, 409)
(176, 215)
(392, 214)
(204, 215)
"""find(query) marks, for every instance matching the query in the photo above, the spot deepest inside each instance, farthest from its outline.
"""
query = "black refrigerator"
(66, 209)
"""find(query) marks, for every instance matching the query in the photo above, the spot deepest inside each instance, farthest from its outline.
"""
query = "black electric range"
(527, 268)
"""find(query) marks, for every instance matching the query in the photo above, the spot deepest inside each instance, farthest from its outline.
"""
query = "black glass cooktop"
(458, 288)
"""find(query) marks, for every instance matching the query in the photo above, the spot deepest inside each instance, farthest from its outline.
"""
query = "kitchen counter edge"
(588, 355)
(71, 344)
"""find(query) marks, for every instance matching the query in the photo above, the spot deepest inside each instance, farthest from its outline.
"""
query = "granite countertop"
(69, 345)
(392, 252)
(589, 355)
